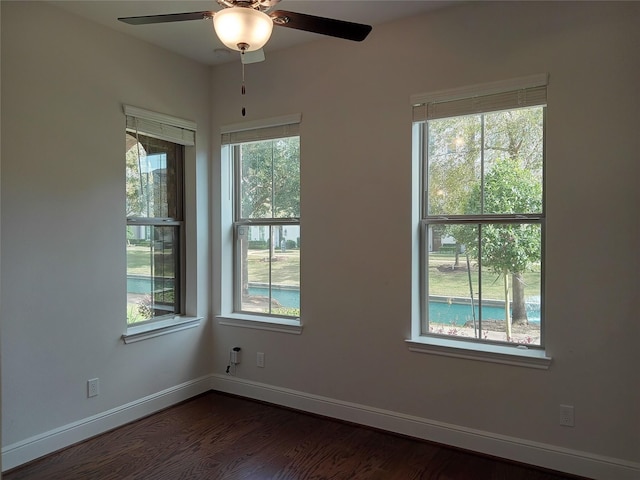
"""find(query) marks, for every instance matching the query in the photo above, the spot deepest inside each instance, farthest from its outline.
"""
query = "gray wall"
(356, 226)
(64, 81)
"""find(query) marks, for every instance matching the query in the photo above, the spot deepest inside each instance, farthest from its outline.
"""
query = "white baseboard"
(511, 448)
(53, 440)
(533, 453)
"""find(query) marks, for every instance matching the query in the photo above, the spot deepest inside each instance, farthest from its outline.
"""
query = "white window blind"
(491, 97)
(279, 127)
(158, 125)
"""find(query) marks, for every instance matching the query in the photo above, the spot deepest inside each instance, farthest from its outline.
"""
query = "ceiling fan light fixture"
(239, 27)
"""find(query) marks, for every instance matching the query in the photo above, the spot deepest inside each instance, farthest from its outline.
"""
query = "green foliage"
(286, 311)
(139, 312)
(509, 189)
(454, 150)
(460, 147)
(515, 134)
(165, 296)
(138, 242)
(270, 181)
(258, 244)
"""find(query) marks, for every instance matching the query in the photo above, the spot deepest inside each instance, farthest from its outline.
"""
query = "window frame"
(237, 260)
(422, 340)
(230, 311)
(176, 221)
(183, 133)
(477, 220)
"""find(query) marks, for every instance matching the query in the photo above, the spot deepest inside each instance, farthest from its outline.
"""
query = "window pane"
(285, 271)
(480, 275)
(511, 273)
(151, 180)
(152, 272)
(486, 164)
(516, 134)
(254, 250)
(452, 281)
(256, 189)
(286, 177)
(270, 265)
(454, 164)
(270, 178)
(513, 156)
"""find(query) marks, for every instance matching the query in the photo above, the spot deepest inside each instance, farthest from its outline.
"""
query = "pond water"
(144, 285)
(460, 313)
(449, 313)
(285, 296)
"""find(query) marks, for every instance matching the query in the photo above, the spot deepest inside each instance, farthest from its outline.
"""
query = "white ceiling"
(197, 40)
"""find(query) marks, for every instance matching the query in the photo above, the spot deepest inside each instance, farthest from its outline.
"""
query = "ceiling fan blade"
(322, 25)
(170, 17)
(254, 56)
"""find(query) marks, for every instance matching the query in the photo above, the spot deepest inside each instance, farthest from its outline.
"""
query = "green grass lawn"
(138, 260)
(285, 267)
(451, 283)
(286, 271)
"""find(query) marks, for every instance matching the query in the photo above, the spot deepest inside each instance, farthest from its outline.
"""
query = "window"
(265, 226)
(481, 256)
(155, 150)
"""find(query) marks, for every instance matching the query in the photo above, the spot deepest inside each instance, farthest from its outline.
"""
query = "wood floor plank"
(219, 436)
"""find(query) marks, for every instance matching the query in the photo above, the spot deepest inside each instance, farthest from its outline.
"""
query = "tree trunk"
(518, 306)
(507, 316)
(244, 248)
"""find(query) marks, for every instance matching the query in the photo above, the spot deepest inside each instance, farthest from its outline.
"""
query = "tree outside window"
(484, 224)
(267, 226)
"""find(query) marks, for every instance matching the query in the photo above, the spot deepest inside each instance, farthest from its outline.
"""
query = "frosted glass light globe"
(242, 26)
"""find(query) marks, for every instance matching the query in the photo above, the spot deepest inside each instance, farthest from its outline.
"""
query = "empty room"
(413, 218)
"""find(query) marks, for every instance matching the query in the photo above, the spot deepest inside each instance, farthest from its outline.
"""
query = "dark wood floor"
(217, 436)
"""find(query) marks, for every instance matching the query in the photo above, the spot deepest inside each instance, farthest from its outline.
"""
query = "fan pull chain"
(244, 112)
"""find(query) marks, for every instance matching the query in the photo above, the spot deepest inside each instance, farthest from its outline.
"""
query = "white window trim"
(282, 120)
(259, 322)
(490, 88)
(163, 326)
(161, 118)
(137, 333)
(227, 316)
(515, 355)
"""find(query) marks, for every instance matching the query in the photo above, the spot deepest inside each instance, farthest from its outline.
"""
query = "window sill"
(162, 327)
(259, 322)
(520, 355)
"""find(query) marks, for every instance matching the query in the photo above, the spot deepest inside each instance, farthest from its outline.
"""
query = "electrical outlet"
(93, 387)
(566, 415)
(260, 359)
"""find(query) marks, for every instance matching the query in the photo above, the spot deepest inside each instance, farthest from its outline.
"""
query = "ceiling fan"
(246, 25)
